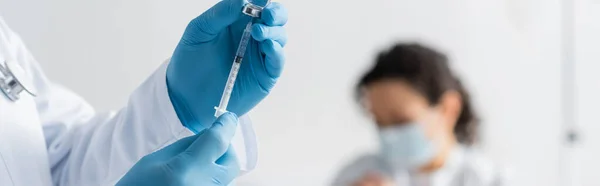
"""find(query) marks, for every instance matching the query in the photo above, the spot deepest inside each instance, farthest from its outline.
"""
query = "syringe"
(253, 11)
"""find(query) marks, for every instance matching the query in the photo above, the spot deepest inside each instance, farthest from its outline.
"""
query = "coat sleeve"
(90, 148)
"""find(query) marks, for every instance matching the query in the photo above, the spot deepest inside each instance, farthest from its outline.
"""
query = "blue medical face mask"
(406, 146)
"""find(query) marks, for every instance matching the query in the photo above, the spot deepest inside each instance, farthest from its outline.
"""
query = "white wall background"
(584, 156)
(508, 51)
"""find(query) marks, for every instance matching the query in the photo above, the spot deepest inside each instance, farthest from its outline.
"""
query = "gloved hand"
(204, 159)
(202, 60)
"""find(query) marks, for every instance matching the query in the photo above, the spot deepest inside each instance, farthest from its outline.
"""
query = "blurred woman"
(426, 125)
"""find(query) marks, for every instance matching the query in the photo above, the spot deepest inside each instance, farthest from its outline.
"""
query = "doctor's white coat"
(56, 138)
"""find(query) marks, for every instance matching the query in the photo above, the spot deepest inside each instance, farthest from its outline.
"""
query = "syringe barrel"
(237, 61)
(235, 68)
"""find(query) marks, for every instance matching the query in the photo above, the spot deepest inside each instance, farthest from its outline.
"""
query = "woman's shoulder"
(358, 167)
(482, 169)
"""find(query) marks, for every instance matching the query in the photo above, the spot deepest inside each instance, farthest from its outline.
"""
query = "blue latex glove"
(204, 159)
(200, 65)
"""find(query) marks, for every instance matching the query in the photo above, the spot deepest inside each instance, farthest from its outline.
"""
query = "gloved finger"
(261, 3)
(262, 32)
(274, 58)
(229, 163)
(275, 14)
(213, 143)
(217, 18)
(229, 160)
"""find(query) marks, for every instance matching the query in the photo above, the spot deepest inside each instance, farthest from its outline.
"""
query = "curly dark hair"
(427, 71)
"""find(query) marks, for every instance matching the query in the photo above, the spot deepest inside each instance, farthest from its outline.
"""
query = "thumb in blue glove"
(198, 70)
(204, 159)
